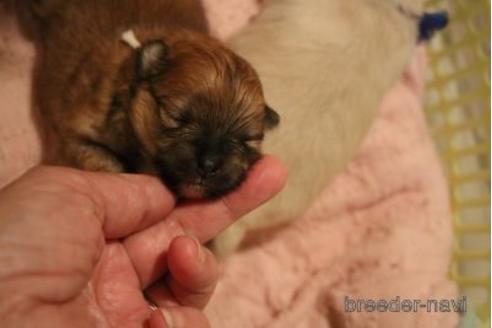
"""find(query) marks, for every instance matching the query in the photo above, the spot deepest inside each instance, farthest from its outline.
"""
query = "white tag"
(129, 38)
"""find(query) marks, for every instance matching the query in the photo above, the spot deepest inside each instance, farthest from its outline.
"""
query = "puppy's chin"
(210, 188)
(192, 191)
(188, 186)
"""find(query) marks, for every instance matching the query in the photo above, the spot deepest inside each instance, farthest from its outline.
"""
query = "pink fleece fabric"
(382, 229)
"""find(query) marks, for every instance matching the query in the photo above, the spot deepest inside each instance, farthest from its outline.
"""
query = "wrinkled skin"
(77, 249)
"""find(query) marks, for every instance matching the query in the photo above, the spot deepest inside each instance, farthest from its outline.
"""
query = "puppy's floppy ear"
(272, 119)
(152, 58)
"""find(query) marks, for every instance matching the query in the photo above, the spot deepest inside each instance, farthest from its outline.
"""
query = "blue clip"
(430, 23)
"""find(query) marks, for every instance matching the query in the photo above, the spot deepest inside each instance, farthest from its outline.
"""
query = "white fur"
(325, 65)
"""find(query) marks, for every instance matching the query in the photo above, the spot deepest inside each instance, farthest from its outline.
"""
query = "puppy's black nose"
(208, 165)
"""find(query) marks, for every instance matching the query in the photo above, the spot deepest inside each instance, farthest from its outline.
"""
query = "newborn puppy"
(325, 65)
(139, 86)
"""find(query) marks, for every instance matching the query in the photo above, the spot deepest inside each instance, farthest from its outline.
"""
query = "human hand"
(77, 249)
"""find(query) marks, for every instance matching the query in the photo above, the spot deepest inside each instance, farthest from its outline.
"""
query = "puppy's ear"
(272, 119)
(152, 58)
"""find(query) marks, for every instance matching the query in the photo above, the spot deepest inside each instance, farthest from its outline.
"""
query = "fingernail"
(167, 318)
(199, 251)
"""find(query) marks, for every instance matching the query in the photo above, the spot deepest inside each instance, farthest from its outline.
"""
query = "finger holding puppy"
(147, 249)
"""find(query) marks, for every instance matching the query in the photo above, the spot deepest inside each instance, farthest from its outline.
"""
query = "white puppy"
(325, 66)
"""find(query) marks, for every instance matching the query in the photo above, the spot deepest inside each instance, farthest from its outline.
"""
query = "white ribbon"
(129, 38)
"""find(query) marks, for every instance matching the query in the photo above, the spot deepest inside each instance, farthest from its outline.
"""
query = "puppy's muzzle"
(208, 165)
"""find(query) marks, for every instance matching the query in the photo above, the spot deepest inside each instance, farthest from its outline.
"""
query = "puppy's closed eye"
(172, 119)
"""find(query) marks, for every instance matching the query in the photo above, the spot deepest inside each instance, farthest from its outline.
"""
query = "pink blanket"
(382, 229)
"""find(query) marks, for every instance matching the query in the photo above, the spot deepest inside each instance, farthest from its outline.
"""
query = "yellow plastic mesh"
(458, 109)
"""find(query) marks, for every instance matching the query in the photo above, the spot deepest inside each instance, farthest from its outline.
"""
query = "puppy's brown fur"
(182, 106)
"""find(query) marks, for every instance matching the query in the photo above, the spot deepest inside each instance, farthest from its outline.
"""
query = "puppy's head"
(199, 113)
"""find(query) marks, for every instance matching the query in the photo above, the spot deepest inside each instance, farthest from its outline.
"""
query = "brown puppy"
(166, 99)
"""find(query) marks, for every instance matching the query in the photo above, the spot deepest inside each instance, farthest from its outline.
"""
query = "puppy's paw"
(89, 157)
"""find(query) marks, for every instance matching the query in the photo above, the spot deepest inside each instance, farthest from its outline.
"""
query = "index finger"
(147, 248)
